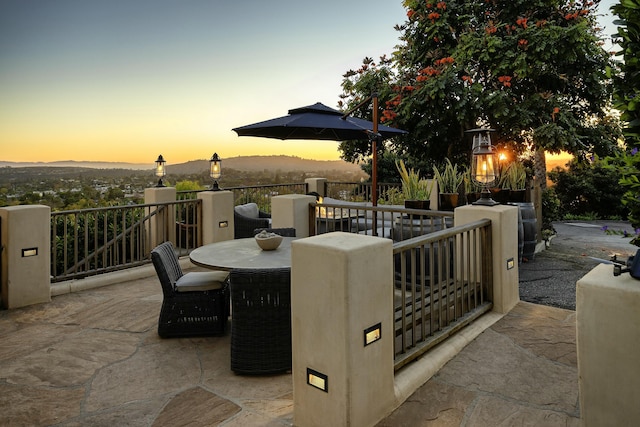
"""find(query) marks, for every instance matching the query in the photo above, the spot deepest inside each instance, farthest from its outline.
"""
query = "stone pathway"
(521, 371)
(94, 358)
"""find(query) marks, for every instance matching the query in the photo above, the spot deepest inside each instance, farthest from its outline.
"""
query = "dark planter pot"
(472, 197)
(500, 195)
(418, 204)
(517, 196)
(448, 201)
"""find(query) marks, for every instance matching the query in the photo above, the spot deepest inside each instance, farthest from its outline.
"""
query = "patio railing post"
(217, 216)
(317, 185)
(291, 210)
(161, 227)
(607, 336)
(26, 255)
(342, 329)
(504, 240)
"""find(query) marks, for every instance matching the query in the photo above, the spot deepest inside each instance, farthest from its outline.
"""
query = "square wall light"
(317, 380)
(372, 334)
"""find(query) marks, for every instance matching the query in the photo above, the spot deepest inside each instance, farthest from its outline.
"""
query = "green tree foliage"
(589, 187)
(188, 185)
(534, 70)
(627, 100)
(113, 194)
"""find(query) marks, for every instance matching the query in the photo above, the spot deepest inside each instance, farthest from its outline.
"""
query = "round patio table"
(242, 254)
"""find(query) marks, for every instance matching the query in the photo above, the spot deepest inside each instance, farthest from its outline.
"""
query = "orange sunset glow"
(126, 81)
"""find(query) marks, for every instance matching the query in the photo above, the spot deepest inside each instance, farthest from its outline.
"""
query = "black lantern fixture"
(161, 171)
(215, 170)
(483, 165)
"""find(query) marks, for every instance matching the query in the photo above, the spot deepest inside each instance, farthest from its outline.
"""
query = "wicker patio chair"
(244, 225)
(196, 303)
(261, 321)
(284, 232)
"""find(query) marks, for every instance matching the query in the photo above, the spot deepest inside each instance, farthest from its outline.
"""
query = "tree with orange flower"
(534, 70)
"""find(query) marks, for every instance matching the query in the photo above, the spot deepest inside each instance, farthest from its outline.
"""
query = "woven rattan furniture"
(196, 303)
(261, 320)
(284, 232)
(243, 225)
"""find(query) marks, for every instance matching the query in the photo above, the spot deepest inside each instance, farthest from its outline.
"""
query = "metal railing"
(93, 241)
(442, 274)
(356, 191)
(393, 222)
(443, 281)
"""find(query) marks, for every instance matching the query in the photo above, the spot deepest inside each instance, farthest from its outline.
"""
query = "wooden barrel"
(529, 228)
(520, 236)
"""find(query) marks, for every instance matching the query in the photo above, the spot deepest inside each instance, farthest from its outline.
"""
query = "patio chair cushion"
(250, 210)
(201, 281)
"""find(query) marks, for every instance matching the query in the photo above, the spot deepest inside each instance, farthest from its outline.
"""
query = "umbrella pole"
(374, 166)
(374, 149)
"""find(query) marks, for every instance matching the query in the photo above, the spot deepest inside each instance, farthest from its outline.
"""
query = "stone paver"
(521, 371)
(211, 409)
(94, 358)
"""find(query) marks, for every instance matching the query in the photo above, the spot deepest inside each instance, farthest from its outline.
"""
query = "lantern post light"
(215, 170)
(161, 170)
(483, 165)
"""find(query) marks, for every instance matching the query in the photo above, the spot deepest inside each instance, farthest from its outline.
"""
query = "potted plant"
(515, 179)
(471, 188)
(449, 180)
(416, 191)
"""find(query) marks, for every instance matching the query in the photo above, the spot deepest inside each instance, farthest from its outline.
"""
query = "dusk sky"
(126, 80)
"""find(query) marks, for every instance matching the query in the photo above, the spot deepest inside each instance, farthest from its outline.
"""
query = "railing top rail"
(362, 183)
(109, 208)
(244, 187)
(384, 208)
(438, 235)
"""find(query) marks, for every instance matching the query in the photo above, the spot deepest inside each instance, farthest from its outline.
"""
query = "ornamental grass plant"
(413, 187)
(449, 178)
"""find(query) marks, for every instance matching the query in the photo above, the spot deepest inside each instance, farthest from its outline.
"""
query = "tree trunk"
(540, 167)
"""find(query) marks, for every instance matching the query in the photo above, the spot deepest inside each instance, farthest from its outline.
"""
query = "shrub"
(589, 189)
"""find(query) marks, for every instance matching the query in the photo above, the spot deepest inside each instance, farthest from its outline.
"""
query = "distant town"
(82, 185)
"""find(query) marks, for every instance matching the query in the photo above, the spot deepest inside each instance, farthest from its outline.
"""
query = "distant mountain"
(243, 163)
(269, 163)
(78, 164)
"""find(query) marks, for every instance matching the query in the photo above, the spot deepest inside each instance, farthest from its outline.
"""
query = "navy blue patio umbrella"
(319, 122)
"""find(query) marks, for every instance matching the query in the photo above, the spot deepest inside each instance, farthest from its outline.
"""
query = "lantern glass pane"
(484, 168)
(160, 170)
(215, 170)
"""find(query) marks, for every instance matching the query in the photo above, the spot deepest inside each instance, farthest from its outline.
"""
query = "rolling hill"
(244, 163)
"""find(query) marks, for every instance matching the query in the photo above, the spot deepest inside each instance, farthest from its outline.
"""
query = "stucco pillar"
(434, 199)
(162, 225)
(26, 255)
(504, 239)
(291, 210)
(608, 345)
(341, 296)
(217, 216)
(317, 185)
